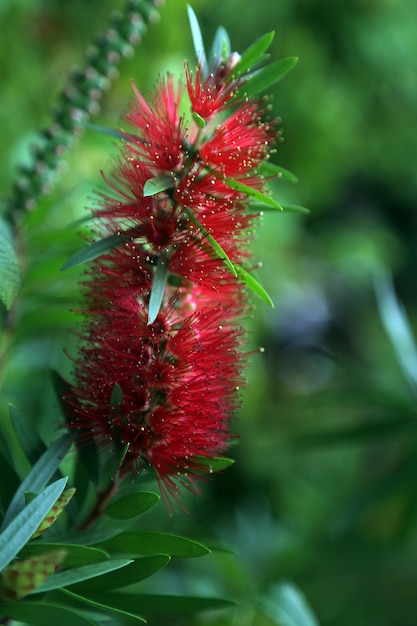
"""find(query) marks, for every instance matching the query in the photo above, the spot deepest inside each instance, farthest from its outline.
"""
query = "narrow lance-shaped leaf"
(158, 288)
(21, 528)
(270, 169)
(77, 574)
(253, 54)
(157, 184)
(221, 48)
(197, 40)
(214, 244)
(32, 444)
(39, 475)
(148, 542)
(45, 614)
(253, 285)
(264, 78)
(96, 249)
(98, 602)
(131, 505)
(253, 193)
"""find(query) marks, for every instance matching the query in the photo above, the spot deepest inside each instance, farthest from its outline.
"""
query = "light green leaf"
(9, 271)
(200, 121)
(45, 614)
(157, 184)
(131, 505)
(32, 444)
(270, 169)
(76, 555)
(39, 475)
(77, 574)
(214, 244)
(295, 208)
(112, 132)
(129, 575)
(264, 78)
(253, 285)
(253, 54)
(221, 48)
(98, 603)
(23, 525)
(96, 249)
(158, 288)
(214, 464)
(254, 193)
(148, 542)
(200, 52)
(286, 605)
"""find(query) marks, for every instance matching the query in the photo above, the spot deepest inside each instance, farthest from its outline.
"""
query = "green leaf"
(45, 614)
(158, 288)
(148, 542)
(112, 132)
(9, 271)
(77, 574)
(39, 475)
(98, 602)
(253, 54)
(264, 78)
(270, 169)
(96, 249)
(117, 396)
(129, 575)
(157, 184)
(221, 48)
(254, 193)
(200, 121)
(286, 606)
(9, 486)
(253, 285)
(131, 505)
(214, 244)
(76, 555)
(295, 208)
(162, 604)
(23, 525)
(32, 444)
(200, 52)
(214, 464)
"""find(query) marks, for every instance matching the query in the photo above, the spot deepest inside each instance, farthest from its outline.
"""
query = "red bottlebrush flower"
(179, 373)
(212, 94)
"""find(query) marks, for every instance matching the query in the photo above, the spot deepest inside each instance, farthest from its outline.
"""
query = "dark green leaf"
(221, 48)
(117, 396)
(158, 184)
(9, 271)
(162, 604)
(129, 575)
(23, 525)
(45, 614)
(214, 464)
(98, 603)
(264, 78)
(254, 193)
(253, 285)
(286, 606)
(112, 132)
(32, 444)
(214, 244)
(270, 170)
(148, 542)
(76, 555)
(77, 574)
(131, 505)
(197, 40)
(9, 486)
(253, 54)
(96, 249)
(158, 288)
(39, 475)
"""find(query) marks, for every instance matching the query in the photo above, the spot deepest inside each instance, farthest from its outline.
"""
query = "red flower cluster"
(177, 375)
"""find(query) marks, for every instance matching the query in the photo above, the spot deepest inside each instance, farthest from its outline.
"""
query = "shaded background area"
(324, 491)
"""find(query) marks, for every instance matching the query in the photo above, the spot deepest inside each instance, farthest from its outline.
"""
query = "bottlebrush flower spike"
(165, 307)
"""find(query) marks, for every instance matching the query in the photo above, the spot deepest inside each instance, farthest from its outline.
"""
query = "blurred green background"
(324, 491)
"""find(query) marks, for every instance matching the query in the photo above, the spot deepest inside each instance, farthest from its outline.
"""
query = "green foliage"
(9, 269)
